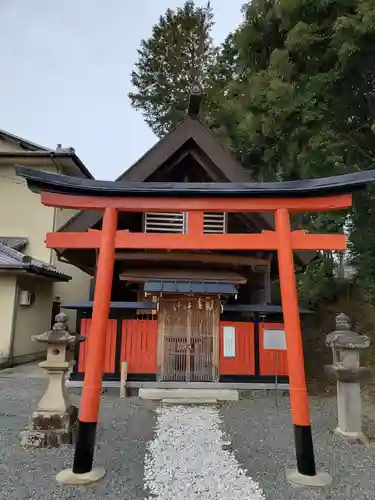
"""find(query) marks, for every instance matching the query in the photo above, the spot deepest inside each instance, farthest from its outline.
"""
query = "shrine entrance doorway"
(188, 339)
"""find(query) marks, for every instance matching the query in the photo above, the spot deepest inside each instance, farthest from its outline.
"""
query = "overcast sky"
(65, 67)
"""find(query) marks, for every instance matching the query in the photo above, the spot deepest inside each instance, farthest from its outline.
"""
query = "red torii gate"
(282, 199)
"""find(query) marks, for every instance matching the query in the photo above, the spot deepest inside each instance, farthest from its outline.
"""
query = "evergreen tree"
(179, 51)
(304, 104)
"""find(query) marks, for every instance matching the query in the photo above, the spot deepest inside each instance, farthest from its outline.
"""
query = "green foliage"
(316, 285)
(179, 50)
(319, 285)
(300, 60)
(362, 241)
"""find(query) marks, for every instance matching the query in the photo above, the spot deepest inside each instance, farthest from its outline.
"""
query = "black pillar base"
(304, 450)
(85, 447)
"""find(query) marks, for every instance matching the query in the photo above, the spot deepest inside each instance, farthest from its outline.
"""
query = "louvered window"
(215, 222)
(168, 222)
(176, 222)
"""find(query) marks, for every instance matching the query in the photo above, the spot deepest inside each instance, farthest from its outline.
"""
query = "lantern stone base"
(51, 430)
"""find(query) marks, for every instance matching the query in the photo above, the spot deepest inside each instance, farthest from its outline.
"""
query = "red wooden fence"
(139, 345)
(110, 351)
(270, 360)
(139, 348)
(242, 363)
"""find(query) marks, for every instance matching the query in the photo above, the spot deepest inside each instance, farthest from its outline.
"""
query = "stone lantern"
(348, 373)
(54, 421)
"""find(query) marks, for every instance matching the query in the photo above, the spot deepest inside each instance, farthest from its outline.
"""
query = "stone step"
(181, 394)
(188, 401)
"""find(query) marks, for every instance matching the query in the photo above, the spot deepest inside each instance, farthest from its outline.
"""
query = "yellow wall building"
(32, 280)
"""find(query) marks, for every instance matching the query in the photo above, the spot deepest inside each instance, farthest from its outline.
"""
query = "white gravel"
(187, 459)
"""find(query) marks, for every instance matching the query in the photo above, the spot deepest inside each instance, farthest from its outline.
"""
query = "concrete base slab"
(320, 480)
(187, 394)
(67, 476)
(190, 401)
(353, 437)
(243, 386)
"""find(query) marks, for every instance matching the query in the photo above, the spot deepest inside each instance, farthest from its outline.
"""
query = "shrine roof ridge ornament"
(38, 181)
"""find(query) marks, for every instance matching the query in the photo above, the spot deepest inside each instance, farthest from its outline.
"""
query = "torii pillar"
(281, 199)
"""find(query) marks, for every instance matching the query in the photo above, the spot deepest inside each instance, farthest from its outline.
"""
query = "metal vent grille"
(160, 222)
(215, 222)
(176, 222)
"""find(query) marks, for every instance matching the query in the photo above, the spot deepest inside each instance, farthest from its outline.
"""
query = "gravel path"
(186, 459)
(126, 427)
(262, 440)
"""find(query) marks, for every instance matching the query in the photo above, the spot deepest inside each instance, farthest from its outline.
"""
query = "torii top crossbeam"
(331, 193)
(280, 198)
(45, 181)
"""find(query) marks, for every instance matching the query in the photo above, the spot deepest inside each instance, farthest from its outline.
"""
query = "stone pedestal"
(348, 373)
(54, 421)
(50, 430)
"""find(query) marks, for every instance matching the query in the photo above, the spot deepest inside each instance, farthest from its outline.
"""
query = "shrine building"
(186, 316)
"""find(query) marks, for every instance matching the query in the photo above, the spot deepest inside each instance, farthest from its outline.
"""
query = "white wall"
(34, 319)
(7, 297)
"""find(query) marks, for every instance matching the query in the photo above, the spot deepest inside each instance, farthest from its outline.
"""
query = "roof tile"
(13, 259)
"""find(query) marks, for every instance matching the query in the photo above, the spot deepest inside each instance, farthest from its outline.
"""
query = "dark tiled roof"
(88, 304)
(260, 308)
(18, 243)
(10, 258)
(189, 287)
(24, 143)
(33, 151)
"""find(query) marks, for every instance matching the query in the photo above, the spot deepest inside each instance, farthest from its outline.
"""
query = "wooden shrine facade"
(217, 351)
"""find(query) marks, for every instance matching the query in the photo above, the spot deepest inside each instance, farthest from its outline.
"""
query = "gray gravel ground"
(261, 436)
(126, 426)
(262, 439)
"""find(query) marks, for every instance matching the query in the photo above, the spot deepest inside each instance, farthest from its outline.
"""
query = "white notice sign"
(229, 335)
(274, 338)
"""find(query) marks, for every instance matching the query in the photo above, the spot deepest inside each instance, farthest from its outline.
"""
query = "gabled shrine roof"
(191, 135)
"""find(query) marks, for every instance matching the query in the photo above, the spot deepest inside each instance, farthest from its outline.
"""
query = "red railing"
(139, 345)
(110, 351)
